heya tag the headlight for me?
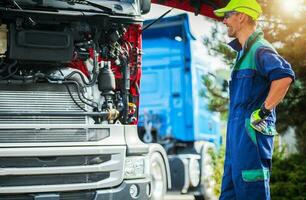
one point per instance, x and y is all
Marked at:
(135, 167)
(194, 172)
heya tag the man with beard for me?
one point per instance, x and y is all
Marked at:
(260, 79)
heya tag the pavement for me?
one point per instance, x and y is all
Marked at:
(178, 197)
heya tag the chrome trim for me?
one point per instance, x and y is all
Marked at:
(114, 166)
(116, 136)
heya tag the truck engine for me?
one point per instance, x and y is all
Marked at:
(92, 64)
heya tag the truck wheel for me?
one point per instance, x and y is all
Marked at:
(158, 175)
(199, 197)
(207, 173)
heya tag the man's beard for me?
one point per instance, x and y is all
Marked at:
(230, 32)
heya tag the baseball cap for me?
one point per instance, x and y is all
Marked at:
(248, 7)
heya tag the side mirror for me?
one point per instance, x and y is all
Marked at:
(145, 6)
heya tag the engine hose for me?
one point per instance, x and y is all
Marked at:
(9, 69)
(4, 68)
(76, 103)
(80, 74)
(35, 76)
(80, 94)
(87, 84)
(126, 88)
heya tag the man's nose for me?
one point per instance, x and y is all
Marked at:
(224, 21)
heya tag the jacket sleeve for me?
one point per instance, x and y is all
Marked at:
(271, 65)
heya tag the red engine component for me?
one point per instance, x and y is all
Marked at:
(79, 64)
(133, 36)
(205, 8)
(132, 44)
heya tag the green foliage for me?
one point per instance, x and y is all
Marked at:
(217, 45)
(218, 164)
(287, 32)
(288, 178)
(217, 95)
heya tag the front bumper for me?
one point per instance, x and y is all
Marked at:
(117, 193)
(123, 191)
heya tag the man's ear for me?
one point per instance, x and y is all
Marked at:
(242, 17)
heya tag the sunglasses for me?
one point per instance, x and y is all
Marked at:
(229, 14)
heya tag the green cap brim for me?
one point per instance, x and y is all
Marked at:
(220, 12)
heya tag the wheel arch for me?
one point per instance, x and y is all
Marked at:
(159, 149)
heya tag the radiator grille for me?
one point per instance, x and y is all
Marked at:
(52, 135)
(53, 154)
(54, 179)
(38, 98)
(53, 161)
(60, 169)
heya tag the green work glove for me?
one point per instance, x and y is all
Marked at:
(258, 117)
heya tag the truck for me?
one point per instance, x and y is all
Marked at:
(69, 73)
(173, 111)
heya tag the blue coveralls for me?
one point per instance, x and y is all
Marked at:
(248, 152)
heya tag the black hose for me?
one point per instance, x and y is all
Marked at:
(88, 84)
(76, 103)
(126, 88)
(33, 77)
(78, 92)
(9, 69)
(81, 95)
(80, 74)
(4, 68)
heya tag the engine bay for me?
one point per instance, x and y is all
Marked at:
(97, 58)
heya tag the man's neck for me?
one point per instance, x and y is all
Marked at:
(244, 34)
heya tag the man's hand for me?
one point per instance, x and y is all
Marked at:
(258, 119)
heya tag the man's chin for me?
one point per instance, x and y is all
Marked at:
(230, 35)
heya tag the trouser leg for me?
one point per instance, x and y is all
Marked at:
(227, 188)
(250, 185)
(251, 173)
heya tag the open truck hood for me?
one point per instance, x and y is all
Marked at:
(202, 7)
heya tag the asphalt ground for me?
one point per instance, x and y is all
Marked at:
(178, 197)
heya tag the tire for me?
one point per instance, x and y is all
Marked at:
(199, 197)
(207, 172)
(158, 176)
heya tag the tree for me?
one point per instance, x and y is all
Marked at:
(287, 31)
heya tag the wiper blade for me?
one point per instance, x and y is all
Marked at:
(90, 3)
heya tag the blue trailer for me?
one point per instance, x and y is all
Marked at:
(172, 111)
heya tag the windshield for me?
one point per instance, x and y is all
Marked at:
(113, 7)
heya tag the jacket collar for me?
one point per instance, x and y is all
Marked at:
(234, 44)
